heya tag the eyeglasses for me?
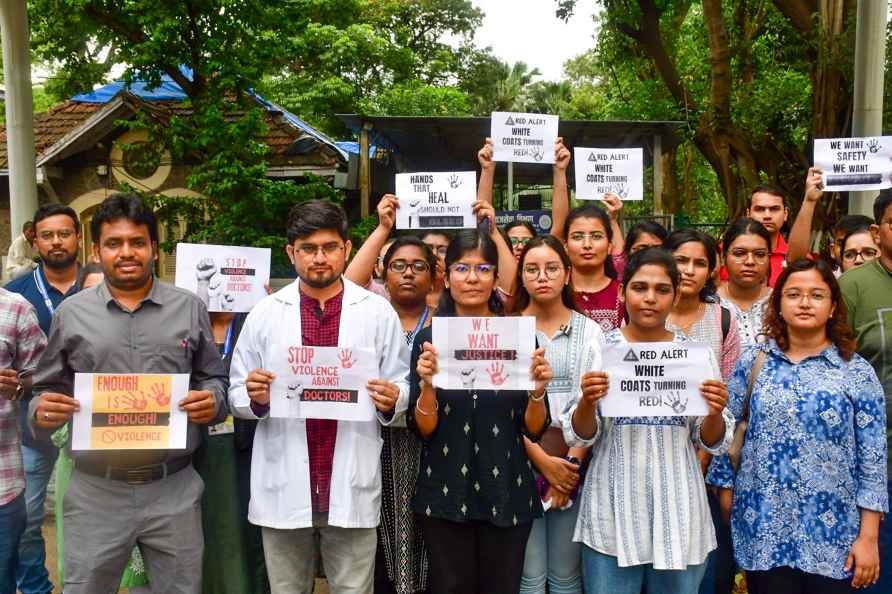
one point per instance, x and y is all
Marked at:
(49, 235)
(462, 271)
(580, 236)
(533, 272)
(311, 249)
(417, 266)
(519, 241)
(816, 296)
(865, 253)
(438, 250)
(740, 254)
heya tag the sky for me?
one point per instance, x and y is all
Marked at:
(528, 31)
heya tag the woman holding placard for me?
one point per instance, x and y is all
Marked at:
(644, 519)
(571, 343)
(476, 495)
(811, 486)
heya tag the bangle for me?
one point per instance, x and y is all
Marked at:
(427, 414)
(534, 398)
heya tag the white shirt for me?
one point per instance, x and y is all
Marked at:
(280, 468)
(20, 258)
(644, 500)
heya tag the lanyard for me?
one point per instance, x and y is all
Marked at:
(227, 344)
(420, 325)
(41, 288)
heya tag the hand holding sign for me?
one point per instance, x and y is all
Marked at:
(594, 387)
(540, 371)
(427, 364)
(716, 395)
(613, 204)
(54, 410)
(257, 385)
(199, 405)
(384, 394)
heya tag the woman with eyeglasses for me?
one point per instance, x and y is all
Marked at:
(747, 255)
(811, 486)
(643, 515)
(476, 496)
(571, 343)
(518, 235)
(858, 247)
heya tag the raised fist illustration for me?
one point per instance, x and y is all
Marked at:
(468, 378)
(205, 269)
(294, 391)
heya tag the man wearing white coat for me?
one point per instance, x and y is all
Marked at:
(318, 476)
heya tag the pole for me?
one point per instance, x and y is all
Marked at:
(867, 113)
(19, 113)
(364, 171)
(658, 174)
(511, 185)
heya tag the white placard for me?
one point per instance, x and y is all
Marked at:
(225, 277)
(523, 137)
(436, 200)
(491, 353)
(656, 379)
(323, 383)
(603, 170)
(855, 163)
(129, 411)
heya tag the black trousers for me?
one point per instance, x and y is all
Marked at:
(474, 557)
(786, 580)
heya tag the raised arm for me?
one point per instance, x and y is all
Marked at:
(560, 197)
(614, 206)
(363, 263)
(507, 262)
(487, 172)
(800, 233)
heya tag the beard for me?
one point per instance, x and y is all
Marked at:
(318, 281)
(59, 262)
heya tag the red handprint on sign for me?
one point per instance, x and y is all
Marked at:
(495, 372)
(346, 356)
(135, 400)
(157, 393)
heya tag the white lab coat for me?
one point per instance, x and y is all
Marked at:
(280, 469)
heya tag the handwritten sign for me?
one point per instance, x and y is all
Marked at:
(491, 353)
(523, 137)
(599, 171)
(656, 379)
(855, 163)
(132, 411)
(225, 277)
(436, 200)
(323, 383)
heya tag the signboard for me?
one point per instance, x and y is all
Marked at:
(656, 379)
(539, 219)
(491, 353)
(323, 383)
(129, 411)
(225, 277)
(523, 137)
(599, 171)
(436, 200)
(855, 163)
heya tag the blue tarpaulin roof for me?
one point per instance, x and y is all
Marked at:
(352, 147)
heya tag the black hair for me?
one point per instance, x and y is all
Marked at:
(124, 205)
(769, 189)
(842, 244)
(86, 270)
(590, 211)
(466, 241)
(680, 237)
(552, 242)
(306, 218)
(54, 208)
(852, 222)
(516, 223)
(27, 225)
(641, 227)
(745, 226)
(410, 240)
(653, 255)
(428, 232)
(880, 205)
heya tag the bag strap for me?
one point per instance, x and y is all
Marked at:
(761, 356)
(726, 323)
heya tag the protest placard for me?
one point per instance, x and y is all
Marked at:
(603, 170)
(436, 200)
(323, 383)
(491, 353)
(129, 411)
(656, 379)
(851, 164)
(225, 277)
(523, 137)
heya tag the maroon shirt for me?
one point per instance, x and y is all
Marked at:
(320, 327)
(602, 306)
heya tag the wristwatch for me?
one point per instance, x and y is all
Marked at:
(19, 392)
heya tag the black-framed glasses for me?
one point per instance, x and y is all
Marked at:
(311, 249)
(551, 271)
(867, 253)
(462, 271)
(400, 266)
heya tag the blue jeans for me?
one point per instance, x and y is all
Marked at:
(884, 585)
(720, 566)
(31, 574)
(12, 524)
(551, 555)
(602, 575)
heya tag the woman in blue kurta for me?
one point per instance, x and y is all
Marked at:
(812, 480)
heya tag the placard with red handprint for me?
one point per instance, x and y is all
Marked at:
(129, 411)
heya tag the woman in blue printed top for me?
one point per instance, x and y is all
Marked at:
(811, 487)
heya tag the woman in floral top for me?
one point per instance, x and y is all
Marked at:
(811, 487)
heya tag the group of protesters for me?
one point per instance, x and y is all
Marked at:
(783, 482)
